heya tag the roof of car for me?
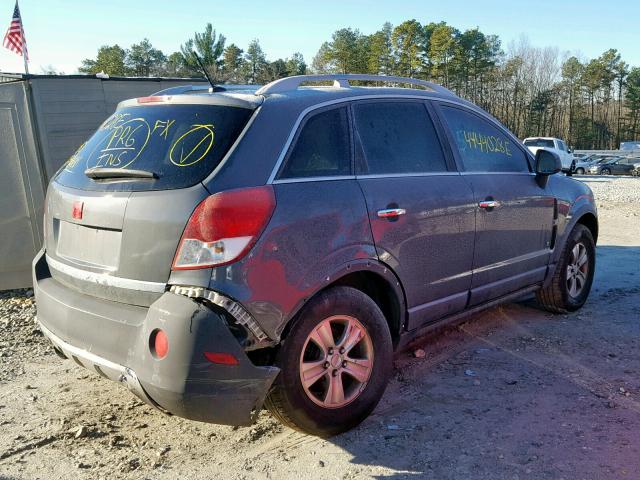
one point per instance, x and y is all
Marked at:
(298, 90)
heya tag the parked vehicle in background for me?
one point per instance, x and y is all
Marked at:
(211, 250)
(614, 166)
(556, 145)
(580, 157)
(582, 167)
(630, 145)
(636, 170)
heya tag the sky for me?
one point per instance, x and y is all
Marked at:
(60, 33)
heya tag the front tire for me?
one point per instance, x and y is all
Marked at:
(606, 171)
(579, 171)
(335, 364)
(573, 277)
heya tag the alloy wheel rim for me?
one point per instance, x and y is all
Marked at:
(577, 270)
(336, 361)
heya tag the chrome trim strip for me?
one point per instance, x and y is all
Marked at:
(529, 174)
(364, 177)
(314, 179)
(105, 279)
(101, 365)
(503, 263)
(438, 301)
(402, 175)
(514, 260)
(80, 353)
(337, 101)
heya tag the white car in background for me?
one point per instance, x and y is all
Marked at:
(556, 145)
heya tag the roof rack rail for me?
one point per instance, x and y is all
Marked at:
(288, 84)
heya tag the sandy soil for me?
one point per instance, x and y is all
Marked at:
(514, 393)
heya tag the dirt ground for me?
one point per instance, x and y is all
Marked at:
(514, 393)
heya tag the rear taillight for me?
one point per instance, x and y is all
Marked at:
(224, 227)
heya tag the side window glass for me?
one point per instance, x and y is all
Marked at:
(398, 138)
(561, 145)
(483, 147)
(322, 148)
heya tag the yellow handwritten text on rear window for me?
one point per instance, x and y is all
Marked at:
(192, 146)
(125, 142)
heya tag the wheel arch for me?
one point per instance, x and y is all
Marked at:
(590, 221)
(377, 281)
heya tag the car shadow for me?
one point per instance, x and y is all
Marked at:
(516, 392)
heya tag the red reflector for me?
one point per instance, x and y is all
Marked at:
(221, 358)
(76, 212)
(154, 98)
(160, 343)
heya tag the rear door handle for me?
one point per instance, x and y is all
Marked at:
(488, 204)
(391, 212)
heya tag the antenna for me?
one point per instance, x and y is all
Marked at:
(204, 70)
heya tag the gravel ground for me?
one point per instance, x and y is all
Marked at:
(515, 393)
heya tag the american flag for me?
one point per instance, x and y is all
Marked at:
(14, 39)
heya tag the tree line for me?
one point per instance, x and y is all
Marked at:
(591, 103)
(224, 63)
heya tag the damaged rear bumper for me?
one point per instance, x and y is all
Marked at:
(113, 340)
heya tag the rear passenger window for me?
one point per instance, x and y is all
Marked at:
(322, 148)
(483, 147)
(398, 138)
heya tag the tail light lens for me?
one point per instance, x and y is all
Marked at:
(224, 227)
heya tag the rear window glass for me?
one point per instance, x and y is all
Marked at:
(180, 144)
(322, 148)
(398, 138)
(539, 142)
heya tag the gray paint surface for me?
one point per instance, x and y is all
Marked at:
(43, 120)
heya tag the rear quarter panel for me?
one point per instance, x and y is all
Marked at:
(316, 229)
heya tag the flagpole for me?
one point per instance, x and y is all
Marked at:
(26, 63)
(25, 53)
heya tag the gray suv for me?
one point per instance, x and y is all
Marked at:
(220, 251)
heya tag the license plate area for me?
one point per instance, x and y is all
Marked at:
(98, 247)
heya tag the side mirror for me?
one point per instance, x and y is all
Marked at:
(547, 162)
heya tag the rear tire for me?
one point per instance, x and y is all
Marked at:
(573, 277)
(318, 345)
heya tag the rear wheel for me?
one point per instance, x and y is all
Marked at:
(335, 364)
(572, 280)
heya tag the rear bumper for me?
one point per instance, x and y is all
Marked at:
(112, 339)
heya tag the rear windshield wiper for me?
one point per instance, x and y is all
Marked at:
(99, 173)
